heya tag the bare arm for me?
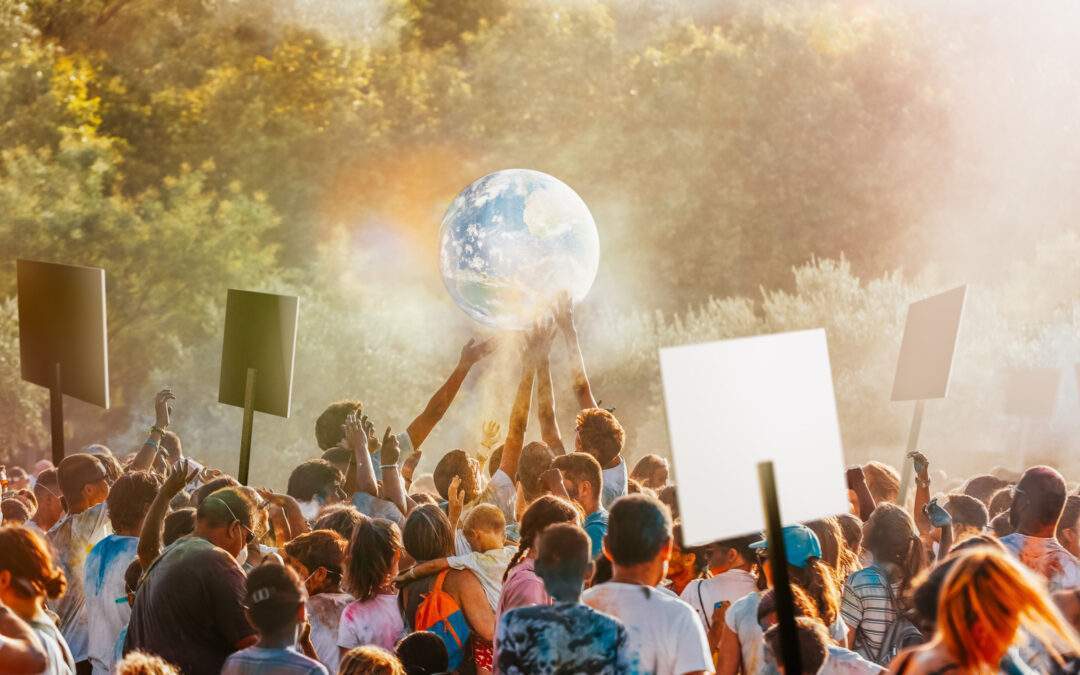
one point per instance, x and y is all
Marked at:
(294, 520)
(144, 459)
(471, 353)
(474, 603)
(564, 317)
(857, 483)
(728, 653)
(519, 420)
(549, 424)
(356, 439)
(423, 569)
(149, 547)
(20, 651)
(922, 491)
(393, 488)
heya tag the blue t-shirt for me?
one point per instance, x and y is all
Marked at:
(263, 661)
(595, 526)
(560, 638)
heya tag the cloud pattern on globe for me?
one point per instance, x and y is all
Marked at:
(511, 241)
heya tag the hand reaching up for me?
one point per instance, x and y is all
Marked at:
(456, 500)
(356, 437)
(491, 434)
(477, 349)
(564, 312)
(177, 477)
(390, 450)
(162, 409)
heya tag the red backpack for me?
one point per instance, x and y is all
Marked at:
(439, 613)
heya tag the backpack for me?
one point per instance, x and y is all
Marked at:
(440, 614)
(900, 634)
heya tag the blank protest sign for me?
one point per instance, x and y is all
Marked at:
(1032, 392)
(926, 353)
(260, 333)
(62, 320)
(735, 403)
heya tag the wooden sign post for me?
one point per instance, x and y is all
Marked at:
(257, 359)
(925, 363)
(63, 339)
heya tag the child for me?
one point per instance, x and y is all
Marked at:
(374, 617)
(274, 599)
(485, 530)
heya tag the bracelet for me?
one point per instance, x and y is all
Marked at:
(388, 466)
(151, 442)
(159, 430)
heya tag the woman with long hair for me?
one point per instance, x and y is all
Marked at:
(465, 610)
(834, 548)
(986, 600)
(28, 576)
(875, 596)
(737, 640)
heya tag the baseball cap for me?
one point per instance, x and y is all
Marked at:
(78, 470)
(800, 544)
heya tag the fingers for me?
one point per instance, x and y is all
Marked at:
(388, 436)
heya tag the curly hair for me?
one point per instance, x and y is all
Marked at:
(130, 498)
(26, 555)
(328, 427)
(455, 464)
(141, 663)
(599, 434)
(370, 661)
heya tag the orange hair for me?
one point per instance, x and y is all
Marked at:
(987, 588)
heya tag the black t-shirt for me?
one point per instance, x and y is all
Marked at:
(188, 609)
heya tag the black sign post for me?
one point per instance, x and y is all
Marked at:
(257, 359)
(63, 341)
(785, 602)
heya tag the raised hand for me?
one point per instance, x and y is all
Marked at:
(456, 500)
(936, 514)
(409, 467)
(564, 312)
(369, 429)
(552, 479)
(162, 409)
(355, 435)
(390, 450)
(177, 477)
(922, 464)
(538, 339)
(855, 477)
(475, 350)
(491, 434)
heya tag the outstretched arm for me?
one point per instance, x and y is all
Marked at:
(922, 490)
(473, 351)
(356, 440)
(144, 459)
(393, 488)
(421, 570)
(564, 317)
(549, 424)
(149, 547)
(519, 414)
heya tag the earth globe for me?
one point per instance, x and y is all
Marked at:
(511, 242)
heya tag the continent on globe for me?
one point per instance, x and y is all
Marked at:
(511, 241)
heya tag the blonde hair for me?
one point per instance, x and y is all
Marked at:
(484, 518)
(987, 588)
(883, 481)
(141, 663)
(370, 661)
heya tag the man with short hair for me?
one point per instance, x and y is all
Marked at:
(1038, 500)
(665, 636)
(50, 507)
(600, 435)
(189, 609)
(969, 516)
(106, 601)
(582, 481)
(568, 636)
(84, 486)
(314, 484)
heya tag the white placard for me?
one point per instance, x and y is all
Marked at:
(735, 403)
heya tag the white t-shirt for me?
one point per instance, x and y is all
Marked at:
(324, 612)
(72, 537)
(741, 618)
(841, 661)
(106, 597)
(664, 635)
(1046, 557)
(374, 622)
(704, 594)
(615, 484)
(488, 566)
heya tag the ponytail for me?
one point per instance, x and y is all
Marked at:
(516, 558)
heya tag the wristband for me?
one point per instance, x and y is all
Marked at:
(160, 431)
(388, 466)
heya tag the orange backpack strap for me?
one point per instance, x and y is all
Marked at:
(437, 588)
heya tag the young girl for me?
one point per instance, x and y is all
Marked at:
(373, 618)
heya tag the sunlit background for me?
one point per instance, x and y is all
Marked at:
(751, 167)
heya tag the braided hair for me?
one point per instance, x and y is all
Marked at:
(546, 510)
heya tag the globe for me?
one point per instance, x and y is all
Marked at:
(511, 242)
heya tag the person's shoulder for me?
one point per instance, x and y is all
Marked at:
(867, 576)
(690, 590)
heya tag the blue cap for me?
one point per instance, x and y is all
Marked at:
(800, 544)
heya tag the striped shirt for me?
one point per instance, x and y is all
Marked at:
(867, 609)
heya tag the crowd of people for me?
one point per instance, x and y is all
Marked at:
(515, 557)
